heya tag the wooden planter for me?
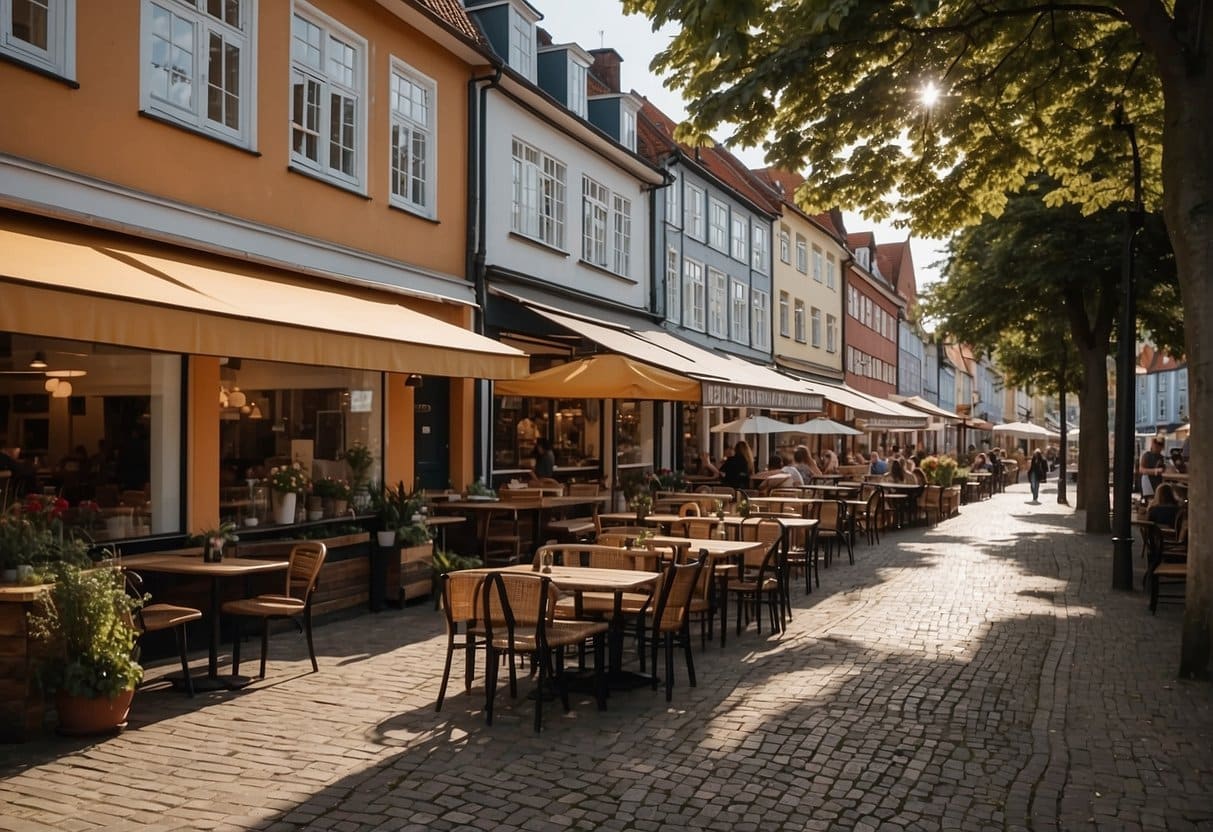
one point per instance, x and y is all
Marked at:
(951, 500)
(410, 574)
(21, 704)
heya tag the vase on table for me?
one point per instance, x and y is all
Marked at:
(284, 507)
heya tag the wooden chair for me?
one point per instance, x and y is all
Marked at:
(460, 599)
(759, 583)
(151, 618)
(302, 576)
(1168, 563)
(869, 519)
(770, 531)
(690, 509)
(672, 621)
(582, 489)
(699, 527)
(517, 610)
(832, 529)
(930, 504)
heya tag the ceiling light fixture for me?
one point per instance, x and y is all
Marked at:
(50, 385)
(62, 390)
(414, 380)
(66, 373)
(236, 398)
(38, 362)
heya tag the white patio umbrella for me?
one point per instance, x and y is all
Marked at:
(821, 426)
(1024, 430)
(755, 424)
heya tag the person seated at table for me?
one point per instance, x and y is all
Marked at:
(803, 462)
(877, 466)
(897, 472)
(1163, 506)
(779, 474)
(736, 470)
(908, 464)
(545, 460)
(980, 463)
(829, 463)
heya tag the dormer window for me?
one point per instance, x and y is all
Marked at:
(628, 131)
(577, 88)
(861, 257)
(522, 43)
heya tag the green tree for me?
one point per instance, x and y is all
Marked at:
(1025, 86)
(1039, 286)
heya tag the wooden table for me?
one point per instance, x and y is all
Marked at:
(178, 564)
(485, 509)
(717, 549)
(578, 579)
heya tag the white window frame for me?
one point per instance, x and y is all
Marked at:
(195, 115)
(416, 126)
(785, 244)
(818, 264)
(522, 47)
(785, 315)
(621, 235)
(718, 224)
(798, 321)
(540, 194)
(760, 325)
(330, 30)
(578, 93)
(739, 311)
(852, 302)
(718, 303)
(740, 245)
(693, 211)
(831, 271)
(673, 205)
(831, 334)
(802, 254)
(627, 128)
(760, 248)
(59, 56)
(1161, 390)
(673, 285)
(595, 221)
(694, 298)
(815, 327)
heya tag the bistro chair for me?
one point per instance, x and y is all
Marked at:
(770, 531)
(151, 618)
(760, 582)
(302, 577)
(460, 594)
(672, 621)
(868, 519)
(832, 529)
(1168, 564)
(699, 527)
(690, 509)
(517, 610)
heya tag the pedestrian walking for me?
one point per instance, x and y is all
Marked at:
(1038, 472)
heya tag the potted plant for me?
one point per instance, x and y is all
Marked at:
(334, 494)
(286, 481)
(478, 490)
(359, 459)
(642, 504)
(86, 624)
(212, 541)
(444, 561)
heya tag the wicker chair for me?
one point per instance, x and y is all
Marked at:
(460, 596)
(151, 618)
(759, 583)
(301, 578)
(672, 620)
(832, 529)
(518, 614)
(699, 527)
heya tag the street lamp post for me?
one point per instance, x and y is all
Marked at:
(1122, 481)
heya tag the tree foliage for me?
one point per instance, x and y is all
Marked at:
(833, 88)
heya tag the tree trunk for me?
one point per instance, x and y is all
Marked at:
(1093, 440)
(1188, 207)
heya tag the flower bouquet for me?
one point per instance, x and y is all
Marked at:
(288, 479)
(213, 541)
(641, 503)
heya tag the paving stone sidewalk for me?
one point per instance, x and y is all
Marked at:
(977, 675)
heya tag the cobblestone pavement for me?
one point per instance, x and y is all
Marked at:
(977, 675)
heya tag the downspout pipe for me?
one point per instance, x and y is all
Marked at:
(475, 249)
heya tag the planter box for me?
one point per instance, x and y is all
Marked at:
(21, 705)
(410, 574)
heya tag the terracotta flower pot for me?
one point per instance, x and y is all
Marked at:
(85, 716)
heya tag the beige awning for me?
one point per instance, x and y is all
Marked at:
(607, 376)
(919, 403)
(67, 282)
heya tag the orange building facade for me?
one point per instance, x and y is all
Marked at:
(229, 233)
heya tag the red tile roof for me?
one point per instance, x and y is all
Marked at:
(452, 13)
(784, 183)
(655, 140)
(896, 262)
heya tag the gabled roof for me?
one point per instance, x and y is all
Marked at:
(861, 239)
(452, 14)
(1153, 360)
(896, 262)
(783, 184)
(655, 141)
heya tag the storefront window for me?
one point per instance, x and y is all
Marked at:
(572, 425)
(95, 424)
(634, 433)
(274, 414)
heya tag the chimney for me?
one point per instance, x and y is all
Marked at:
(606, 67)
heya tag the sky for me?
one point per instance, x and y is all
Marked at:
(597, 23)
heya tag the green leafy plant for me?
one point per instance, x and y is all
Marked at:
(87, 630)
(359, 459)
(446, 561)
(33, 533)
(289, 479)
(331, 488)
(669, 480)
(641, 502)
(478, 489)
